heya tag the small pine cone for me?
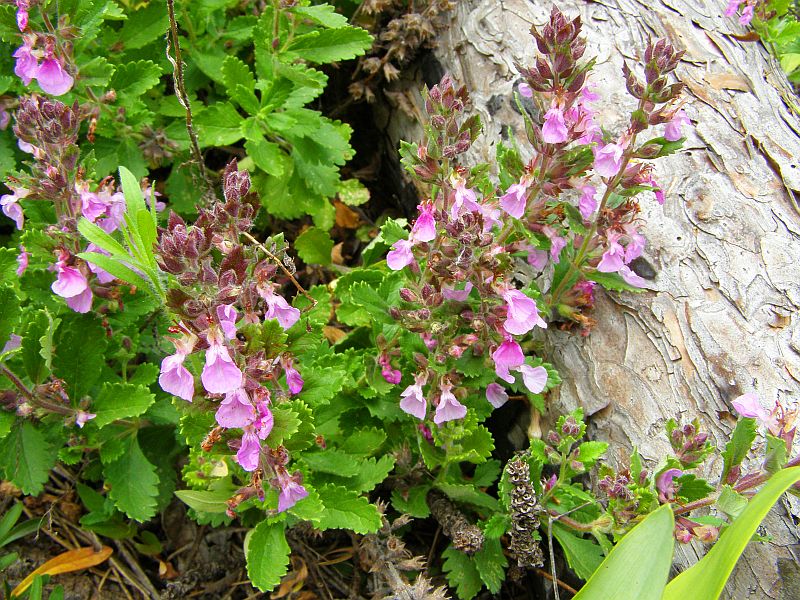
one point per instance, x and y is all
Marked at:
(466, 537)
(525, 509)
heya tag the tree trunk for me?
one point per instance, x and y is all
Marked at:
(719, 317)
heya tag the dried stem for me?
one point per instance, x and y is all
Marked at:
(560, 583)
(180, 92)
(286, 271)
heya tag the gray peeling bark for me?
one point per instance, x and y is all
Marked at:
(720, 316)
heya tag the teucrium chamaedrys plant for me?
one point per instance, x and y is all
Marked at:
(132, 338)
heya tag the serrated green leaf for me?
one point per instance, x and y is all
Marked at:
(133, 482)
(333, 461)
(486, 473)
(583, 556)
(353, 193)
(364, 442)
(324, 14)
(267, 554)
(413, 501)
(26, 457)
(731, 502)
(611, 281)
(345, 509)
(96, 73)
(497, 525)
(321, 385)
(739, 445)
(371, 472)
(331, 45)
(240, 84)
(285, 424)
(590, 452)
(267, 156)
(219, 125)
(462, 573)
(693, 488)
(120, 401)
(144, 26)
(491, 564)
(314, 246)
(135, 78)
(393, 230)
(79, 360)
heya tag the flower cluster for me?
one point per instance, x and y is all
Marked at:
(48, 130)
(223, 296)
(43, 56)
(747, 9)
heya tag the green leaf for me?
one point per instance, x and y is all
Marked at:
(207, 501)
(364, 442)
(117, 269)
(491, 564)
(692, 488)
(638, 566)
(81, 343)
(120, 401)
(371, 472)
(739, 445)
(353, 193)
(583, 556)
(497, 526)
(324, 14)
(413, 501)
(468, 494)
(345, 509)
(314, 246)
(219, 125)
(135, 78)
(775, 457)
(393, 230)
(321, 385)
(706, 579)
(462, 573)
(331, 45)
(267, 156)
(133, 481)
(333, 461)
(241, 84)
(144, 26)
(590, 452)
(26, 457)
(267, 554)
(731, 502)
(9, 316)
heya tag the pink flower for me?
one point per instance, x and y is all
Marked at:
(400, 255)
(102, 275)
(458, 295)
(52, 77)
(534, 378)
(749, 405)
(554, 130)
(525, 90)
(22, 261)
(236, 410)
(522, 313)
(70, 282)
(424, 229)
(278, 308)
(607, 159)
(11, 207)
(5, 119)
(176, 379)
(636, 244)
(747, 15)
(413, 398)
(27, 65)
(733, 7)
(514, 200)
(496, 395)
(613, 258)
(587, 95)
(293, 380)
(449, 408)
(587, 203)
(264, 419)
(557, 243)
(227, 317)
(391, 375)
(22, 14)
(220, 374)
(537, 258)
(464, 198)
(82, 303)
(250, 450)
(672, 132)
(507, 356)
(630, 277)
(82, 417)
(665, 483)
(292, 490)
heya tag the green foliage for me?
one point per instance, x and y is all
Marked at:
(133, 481)
(267, 554)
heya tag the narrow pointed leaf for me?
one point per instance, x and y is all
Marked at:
(638, 566)
(706, 579)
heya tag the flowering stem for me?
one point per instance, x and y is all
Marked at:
(31, 397)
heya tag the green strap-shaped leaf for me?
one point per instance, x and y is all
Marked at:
(706, 579)
(117, 269)
(637, 568)
(101, 239)
(267, 554)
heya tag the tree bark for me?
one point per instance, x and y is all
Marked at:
(720, 316)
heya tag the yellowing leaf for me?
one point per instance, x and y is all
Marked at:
(69, 561)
